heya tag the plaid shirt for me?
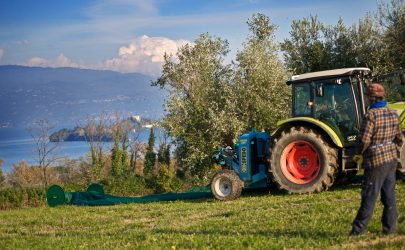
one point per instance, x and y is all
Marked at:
(380, 133)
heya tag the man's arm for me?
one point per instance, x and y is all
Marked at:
(366, 132)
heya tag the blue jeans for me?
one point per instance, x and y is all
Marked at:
(376, 180)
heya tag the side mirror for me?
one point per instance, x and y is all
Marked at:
(319, 90)
(402, 78)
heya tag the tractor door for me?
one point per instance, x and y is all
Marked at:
(302, 99)
(334, 104)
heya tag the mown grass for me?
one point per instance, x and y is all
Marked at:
(255, 221)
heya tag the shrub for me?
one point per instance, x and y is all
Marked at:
(22, 197)
(23, 175)
(2, 178)
(150, 156)
(165, 180)
(129, 185)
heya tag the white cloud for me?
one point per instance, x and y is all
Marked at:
(60, 61)
(144, 55)
(1, 53)
(38, 61)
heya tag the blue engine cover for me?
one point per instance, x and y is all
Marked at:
(253, 150)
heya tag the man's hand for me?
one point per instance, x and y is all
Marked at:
(358, 159)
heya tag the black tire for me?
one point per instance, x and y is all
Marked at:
(314, 161)
(346, 178)
(226, 185)
(400, 175)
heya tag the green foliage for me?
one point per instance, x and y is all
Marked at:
(150, 156)
(116, 157)
(392, 19)
(304, 51)
(124, 150)
(368, 45)
(166, 181)
(97, 162)
(394, 91)
(2, 177)
(21, 197)
(255, 221)
(260, 27)
(374, 43)
(314, 46)
(260, 87)
(120, 162)
(129, 185)
(212, 103)
(200, 109)
(164, 153)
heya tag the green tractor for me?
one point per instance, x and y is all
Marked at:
(314, 149)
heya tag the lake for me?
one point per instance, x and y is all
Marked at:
(16, 145)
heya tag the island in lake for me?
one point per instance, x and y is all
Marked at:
(132, 124)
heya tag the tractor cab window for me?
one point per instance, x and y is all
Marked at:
(335, 106)
(302, 100)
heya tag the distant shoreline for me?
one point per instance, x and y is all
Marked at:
(17, 145)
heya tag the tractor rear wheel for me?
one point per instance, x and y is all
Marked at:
(346, 178)
(400, 175)
(302, 161)
(226, 185)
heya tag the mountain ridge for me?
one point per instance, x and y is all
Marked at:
(67, 95)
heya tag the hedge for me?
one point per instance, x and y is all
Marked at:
(22, 197)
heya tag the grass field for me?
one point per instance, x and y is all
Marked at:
(255, 221)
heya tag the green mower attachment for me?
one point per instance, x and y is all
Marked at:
(56, 196)
(95, 196)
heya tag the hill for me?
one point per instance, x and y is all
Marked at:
(66, 95)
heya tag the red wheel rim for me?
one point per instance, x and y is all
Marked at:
(300, 162)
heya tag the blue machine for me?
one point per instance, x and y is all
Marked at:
(249, 159)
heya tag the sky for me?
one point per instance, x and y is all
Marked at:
(133, 35)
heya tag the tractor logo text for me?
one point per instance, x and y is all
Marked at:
(244, 157)
(351, 138)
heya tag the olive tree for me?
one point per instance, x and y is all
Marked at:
(260, 78)
(391, 16)
(305, 50)
(200, 109)
(314, 46)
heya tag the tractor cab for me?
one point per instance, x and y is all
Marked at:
(333, 97)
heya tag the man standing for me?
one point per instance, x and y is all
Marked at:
(380, 134)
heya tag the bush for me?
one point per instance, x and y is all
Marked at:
(129, 185)
(34, 197)
(22, 197)
(166, 180)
